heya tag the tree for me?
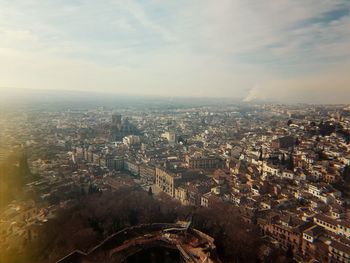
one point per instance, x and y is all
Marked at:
(326, 128)
(347, 138)
(322, 155)
(150, 193)
(133, 217)
(346, 173)
(291, 163)
(289, 252)
(89, 221)
(283, 161)
(82, 191)
(261, 155)
(90, 191)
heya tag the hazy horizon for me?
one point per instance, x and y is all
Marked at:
(77, 98)
(282, 51)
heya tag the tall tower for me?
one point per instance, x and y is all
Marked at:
(116, 126)
(122, 128)
(117, 120)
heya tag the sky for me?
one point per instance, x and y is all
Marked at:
(275, 50)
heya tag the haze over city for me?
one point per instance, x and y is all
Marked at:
(287, 51)
(186, 131)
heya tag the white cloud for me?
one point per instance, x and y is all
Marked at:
(198, 47)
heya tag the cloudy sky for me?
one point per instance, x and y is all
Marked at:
(296, 50)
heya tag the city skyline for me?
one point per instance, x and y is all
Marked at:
(287, 51)
(174, 131)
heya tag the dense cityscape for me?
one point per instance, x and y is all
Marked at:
(269, 177)
(187, 131)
